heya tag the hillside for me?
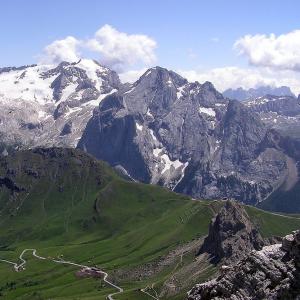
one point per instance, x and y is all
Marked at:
(63, 202)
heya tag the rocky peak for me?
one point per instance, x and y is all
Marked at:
(231, 234)
(162, 76)
(271, 273)
(187, 137)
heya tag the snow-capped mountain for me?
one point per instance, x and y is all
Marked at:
(50, 105)
(161, 129)
(252, 93)
(279, 112)
(188, 137)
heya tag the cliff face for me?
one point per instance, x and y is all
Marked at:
(271, 273)
(231, 234)
(186, 136)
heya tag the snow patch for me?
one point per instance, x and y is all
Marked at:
(157, 151)
(167, 162)
(97, 101)
(207, 110)
(152, 134)
(92, 68)
(182, 175)
(72, 110)
(129, 91)
(169, 83)
(68, 90)
(148, 113)
(179, 92)
(30, 87)
(138, 127)
(147, 73)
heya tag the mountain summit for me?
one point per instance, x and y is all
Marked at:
(58, 101)
(165, 130)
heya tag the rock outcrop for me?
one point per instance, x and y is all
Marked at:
(231, 235)
(271, 273)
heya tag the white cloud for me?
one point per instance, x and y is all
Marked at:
(234, 77)
(114, 49)
(132, 75)
(61, 50)
(281, 52)
(118, 49)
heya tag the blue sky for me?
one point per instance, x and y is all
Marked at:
(190, 34)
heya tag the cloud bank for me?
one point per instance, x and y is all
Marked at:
(61, 50)
(234, 77)
(280, 52)
(274, 60)
(115, 49)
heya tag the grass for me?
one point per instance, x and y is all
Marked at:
(79, 208)
(271, 224)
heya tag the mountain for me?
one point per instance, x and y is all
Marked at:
(71, 207)
(48, 105)
(271, 273)
(161, 129)
(165, 130)
(252, 93)
(281, 113)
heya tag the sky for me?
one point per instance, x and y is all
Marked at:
(231, 43)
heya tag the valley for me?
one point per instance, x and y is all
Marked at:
(140, 235)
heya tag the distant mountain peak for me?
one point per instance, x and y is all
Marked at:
(252, 93)
(55, 96)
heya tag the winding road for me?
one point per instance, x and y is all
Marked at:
(21, 266)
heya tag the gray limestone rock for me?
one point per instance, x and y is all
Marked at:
(271, 273)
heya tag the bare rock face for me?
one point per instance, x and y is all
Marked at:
(271, 273)
(161, 129)
(279, 112)
(186, 136)
(231, 234)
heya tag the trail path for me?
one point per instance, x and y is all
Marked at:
(21, 266)
(145, 292)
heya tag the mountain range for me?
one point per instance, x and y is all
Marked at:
(252, 93)
(161, 129)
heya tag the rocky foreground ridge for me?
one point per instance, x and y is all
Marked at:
(231, 235)
(250, 270)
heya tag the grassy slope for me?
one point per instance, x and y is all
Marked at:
(81, 209)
